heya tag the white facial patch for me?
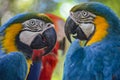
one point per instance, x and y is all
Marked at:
(87, 28)
(82, 16)
(27, 37)
(85, 21)
(36, 25)
(31, 28)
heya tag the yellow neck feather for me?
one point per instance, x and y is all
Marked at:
(8, 42)
(29, 63)
(101, 30)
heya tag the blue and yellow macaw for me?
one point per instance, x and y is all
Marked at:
(43, 67)
(19, 36)
(99, 58)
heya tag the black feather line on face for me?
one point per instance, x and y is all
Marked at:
(90, 36)
(27, 51)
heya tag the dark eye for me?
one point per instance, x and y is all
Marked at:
(32, 22)
(84, 13)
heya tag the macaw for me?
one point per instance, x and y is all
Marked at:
(46, 64)
(99, 57)
(43, 67)
(19, 36)
(50, 61)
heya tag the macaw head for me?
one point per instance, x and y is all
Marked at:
(59, 25)
(28, 31)
(91, 22)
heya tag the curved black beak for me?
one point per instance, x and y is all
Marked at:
(47, 40)
(72, 28)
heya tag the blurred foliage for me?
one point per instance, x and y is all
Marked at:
(58, 7)
(57, 75)
(44, 7)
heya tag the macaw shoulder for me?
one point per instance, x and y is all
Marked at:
(12, 64)
(75, 54)
(97, 58)
(103, 53)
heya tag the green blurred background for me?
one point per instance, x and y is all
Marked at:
(9, 8)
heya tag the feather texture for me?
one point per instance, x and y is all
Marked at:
(8, 64)
(99, 60)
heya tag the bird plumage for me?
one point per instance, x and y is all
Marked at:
(15, 51)
(13, 66)
(48, 62)
(98, 59)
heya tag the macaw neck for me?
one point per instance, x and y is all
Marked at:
(8, 41)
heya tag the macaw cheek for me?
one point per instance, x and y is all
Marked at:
(27, 37)
(36, 40)
(33, 39)
(87, 28)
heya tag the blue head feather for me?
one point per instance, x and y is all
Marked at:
(103, 11)
(11, 21)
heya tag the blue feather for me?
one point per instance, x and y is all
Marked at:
(13, 66)
(11, 21)
(34, 71)
(95, 62)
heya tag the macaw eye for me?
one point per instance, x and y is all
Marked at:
(33, 25)
(32, 22)
(85, 14)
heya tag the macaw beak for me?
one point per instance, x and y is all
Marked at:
(45, 40)
(72, 28)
